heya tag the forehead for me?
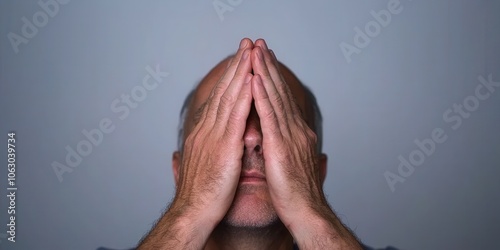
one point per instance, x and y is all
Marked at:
(210, 80)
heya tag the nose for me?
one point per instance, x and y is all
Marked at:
(253, 133)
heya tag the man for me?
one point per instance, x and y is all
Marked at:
(249, 170)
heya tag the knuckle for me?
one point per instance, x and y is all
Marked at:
(245, 95)
(271, 114)
(282, 87)
(279, 102)
(226, 100)
(234, 118)
(276, 134)
(218, 89)
(233, 125)
(229, 131)
(221, 110)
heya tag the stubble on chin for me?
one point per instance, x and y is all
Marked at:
(251, 207)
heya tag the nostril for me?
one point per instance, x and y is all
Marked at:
(257, 148)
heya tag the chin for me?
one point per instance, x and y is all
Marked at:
(251, 208)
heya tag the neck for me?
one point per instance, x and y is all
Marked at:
(274, 236)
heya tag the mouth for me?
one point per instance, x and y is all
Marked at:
(252, 177)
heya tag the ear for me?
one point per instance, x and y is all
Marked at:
(176, 163)
(322, 161)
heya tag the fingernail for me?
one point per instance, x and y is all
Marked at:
(245, 54)
(264, 44)
(243, 43)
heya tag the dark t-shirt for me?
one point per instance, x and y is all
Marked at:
(295, 247)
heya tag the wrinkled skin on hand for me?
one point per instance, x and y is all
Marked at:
(295, 171)
(211, 160)
(289, 145)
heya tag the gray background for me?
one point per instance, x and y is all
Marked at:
(395, 91)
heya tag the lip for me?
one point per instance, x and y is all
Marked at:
(252, 177)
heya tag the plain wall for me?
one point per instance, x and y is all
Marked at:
(393, 92)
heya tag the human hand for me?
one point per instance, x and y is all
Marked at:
(289, 145)
(210, 167)
(291, 159)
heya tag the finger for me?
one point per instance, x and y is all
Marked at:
(275, 72)
(231, 59)
(271, 63)
(220, 87)
(278, 79)
(229, 62)
(236, 122)
(260, 68)
(265, 110)
(230, 96)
